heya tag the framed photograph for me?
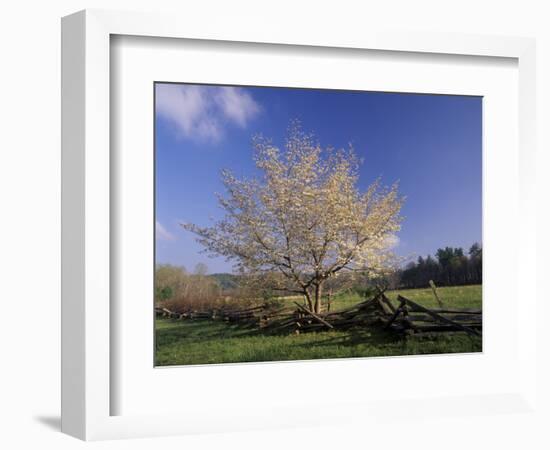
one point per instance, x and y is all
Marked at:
(311, 255)
(256, 218)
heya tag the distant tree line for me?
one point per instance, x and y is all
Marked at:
(177, 288)
(174, 283)
(450, 267)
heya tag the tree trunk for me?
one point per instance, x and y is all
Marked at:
(307, 295)
(318, 294)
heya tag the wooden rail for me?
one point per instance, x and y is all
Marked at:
(408, 317)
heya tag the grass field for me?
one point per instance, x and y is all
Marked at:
(454, 296)
(206, 341)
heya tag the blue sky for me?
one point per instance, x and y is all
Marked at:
(431, 144)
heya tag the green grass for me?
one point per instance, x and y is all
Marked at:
(206, 341)
(452, 297)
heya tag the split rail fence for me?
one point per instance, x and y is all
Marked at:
(405, 317)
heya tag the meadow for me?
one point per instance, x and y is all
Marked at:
(210, 341)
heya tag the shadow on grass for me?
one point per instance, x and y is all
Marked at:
(355, 336)
(203, 330)
(206, 330)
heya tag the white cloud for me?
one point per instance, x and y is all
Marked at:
(202, 112)
(237, 105)
(392, 241)
(162, 233)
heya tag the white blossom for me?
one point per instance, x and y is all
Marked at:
(304, 219)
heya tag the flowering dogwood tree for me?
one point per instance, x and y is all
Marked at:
(304, 220)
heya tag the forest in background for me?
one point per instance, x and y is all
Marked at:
(449, 267)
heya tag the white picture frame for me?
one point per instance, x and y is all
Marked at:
(87, 386)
